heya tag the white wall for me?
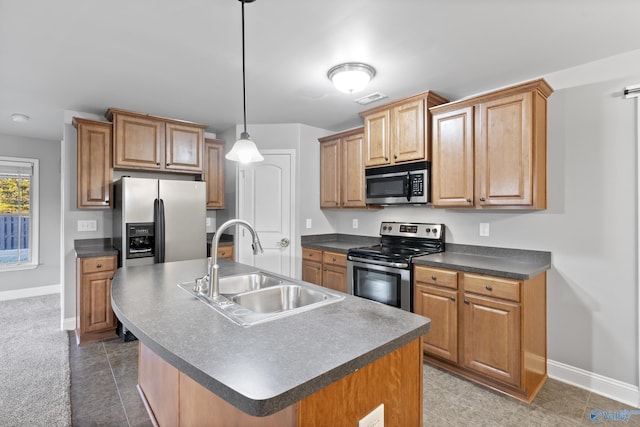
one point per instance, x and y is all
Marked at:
(48, 271)
(589, 227)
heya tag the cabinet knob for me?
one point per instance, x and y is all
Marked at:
(157, 163)
(395, 156)
(111, 278)
(466, 301)
(482, 199)
(334, 259)
(468, 200)
(106, 202)
(488, 287)
(386, 159)
(337, 203)
(452, 298)
(223, 253)
(324, 269)
(168, 164)
(433, 277)
(99, 266)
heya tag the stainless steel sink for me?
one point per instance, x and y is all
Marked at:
(257, 297)
(280, 298)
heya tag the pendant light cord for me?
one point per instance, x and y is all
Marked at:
(244, 90)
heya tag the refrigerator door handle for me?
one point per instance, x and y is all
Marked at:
(158, 217)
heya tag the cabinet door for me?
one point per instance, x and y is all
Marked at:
(95, 173)
(353, 185)
(214, 173)
(452, 168)
(335, 277)
(312, 272)
(504, 173)
(225, 252)
(441, 306)
(138, 142)
(96, 312)
(330, 174)
(408, 137)
(492, 338)
(184, 147)
(377, 138)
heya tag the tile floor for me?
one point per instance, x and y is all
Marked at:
(104, 376)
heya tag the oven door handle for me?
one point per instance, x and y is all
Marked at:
(376, 262)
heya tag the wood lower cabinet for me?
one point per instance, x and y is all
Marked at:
(146, 142)
(94, 317)
(334, 271)
(395, 380)
(490, 151)
(400, 131)
(94, 170)
(489, 329)
(312, 266)
(325, 268)
(342, 183)
(225, 251)
(213, 173)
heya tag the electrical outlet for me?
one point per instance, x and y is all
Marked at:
(374, 418)
(308, 222)
(484, 229)
(87, 225)
(355, 223)
(208, 223)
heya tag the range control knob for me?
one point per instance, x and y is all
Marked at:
(384, 228)
(428, 230)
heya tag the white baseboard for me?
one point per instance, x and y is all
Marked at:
(29, 292)
(617, 390)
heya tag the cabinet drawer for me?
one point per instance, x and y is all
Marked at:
(492, 286)
(225, 251)
(335, 259)
(312, 254)
(436, 276)
(95, 264)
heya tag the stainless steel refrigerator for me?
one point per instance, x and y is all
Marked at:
(157, 220)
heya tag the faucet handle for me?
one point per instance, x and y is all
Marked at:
(201, 284)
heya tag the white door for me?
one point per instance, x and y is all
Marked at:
(265, 200)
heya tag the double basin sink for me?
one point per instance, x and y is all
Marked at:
(257, 297)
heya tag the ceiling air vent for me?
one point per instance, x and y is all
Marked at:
(373, 97)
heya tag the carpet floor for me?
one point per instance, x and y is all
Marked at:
(34, 363)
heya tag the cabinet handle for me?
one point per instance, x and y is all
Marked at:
(488, 287)
(223, 253)
(466, 301)
(334, 259)
(452, 298)
(99, 266)
(482, 199)
(433, 277)
(168, 164)
(386, 159)
(106, 202)
(395, 156)
(157, 163)
(468, 200)
(337, 203)
(111, 278)
(324, 269)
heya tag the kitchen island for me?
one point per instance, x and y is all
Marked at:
(331, 365)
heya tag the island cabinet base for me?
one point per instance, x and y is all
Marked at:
(174, 399)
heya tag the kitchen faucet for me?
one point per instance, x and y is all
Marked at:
(214, 284)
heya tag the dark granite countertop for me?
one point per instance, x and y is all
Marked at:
(516, 264)
(88, 248)
(337, 242)
(266, 367)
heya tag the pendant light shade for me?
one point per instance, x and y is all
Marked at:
(351, 77)
(244, 150)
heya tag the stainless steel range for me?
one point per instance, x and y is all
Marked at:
(383, 272)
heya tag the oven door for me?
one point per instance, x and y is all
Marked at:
(381, 283)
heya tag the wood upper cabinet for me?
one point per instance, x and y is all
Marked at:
(214, 172)
(490, 151)
(95, 319)
(95, 173)
(148, 142)
(489, 329)
(342, 182)
(399, 132)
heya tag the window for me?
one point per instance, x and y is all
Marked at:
(18, 213)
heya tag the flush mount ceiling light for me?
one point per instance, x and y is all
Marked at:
(351, 77)
(244, 150)
(20, 118)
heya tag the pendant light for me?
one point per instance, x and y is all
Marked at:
(244, 150)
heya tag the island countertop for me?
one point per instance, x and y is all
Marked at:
(266, 367)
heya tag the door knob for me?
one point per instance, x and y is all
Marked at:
(284, 242)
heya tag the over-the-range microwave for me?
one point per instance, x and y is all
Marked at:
(403, 184)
